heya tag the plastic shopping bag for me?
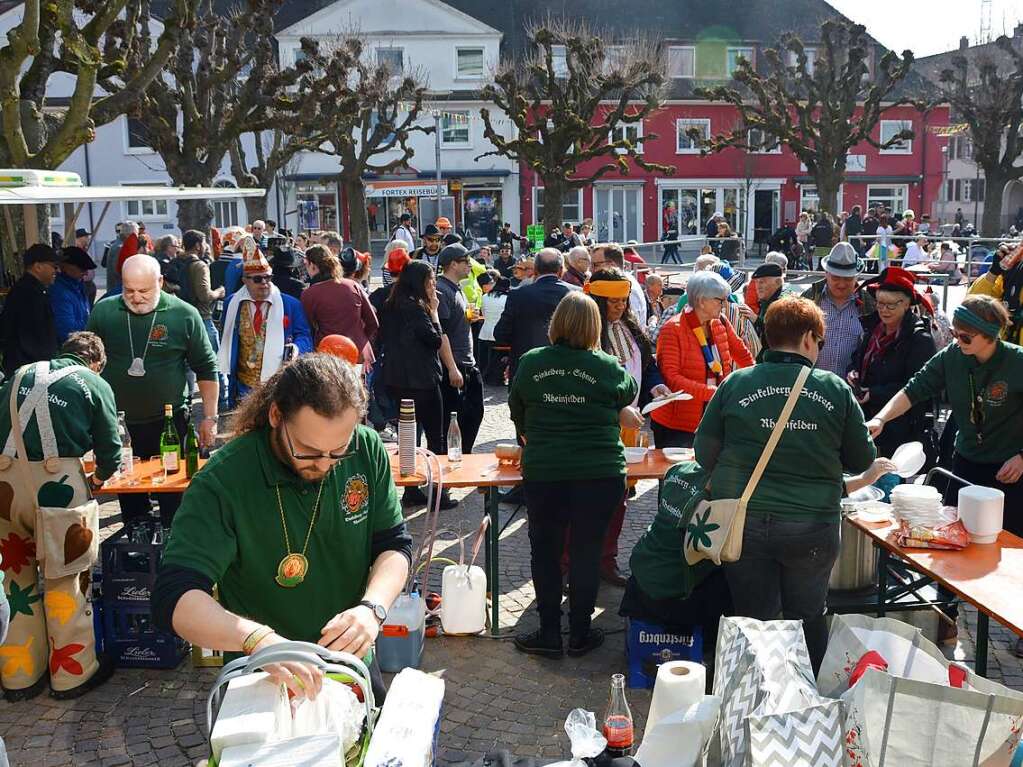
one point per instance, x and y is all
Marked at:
(587, 741)
(903, 647)
(905, 722)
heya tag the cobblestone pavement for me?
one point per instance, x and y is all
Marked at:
(495, 696)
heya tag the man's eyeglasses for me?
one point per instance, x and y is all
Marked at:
(262, 279)
(431, 240)
(964, 338)
(350, 449)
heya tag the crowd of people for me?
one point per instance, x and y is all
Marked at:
(583, 333)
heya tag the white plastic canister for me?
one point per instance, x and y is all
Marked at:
(463, 603)
(981, 510)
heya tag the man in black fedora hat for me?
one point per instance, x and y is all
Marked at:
(432, 243)
(843, 304)
(26, 323)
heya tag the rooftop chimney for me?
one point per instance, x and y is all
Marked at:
(1017, 33)
(964, 43)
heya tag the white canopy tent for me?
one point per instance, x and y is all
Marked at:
(29, 188)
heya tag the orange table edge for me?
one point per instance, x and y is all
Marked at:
(483, 471)
(988, 576)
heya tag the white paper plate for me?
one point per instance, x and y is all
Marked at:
(678, 454)
(909, 459)
(660, 401)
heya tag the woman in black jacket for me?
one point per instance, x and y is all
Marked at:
(895, 346)
(411, 338)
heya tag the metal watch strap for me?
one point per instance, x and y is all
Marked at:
(376, 609)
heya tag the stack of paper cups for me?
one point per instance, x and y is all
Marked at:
(407, 438)
(679, 684)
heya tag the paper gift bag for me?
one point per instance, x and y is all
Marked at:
(907, 723)
(908, 653)
(761, 668)
(810, 736)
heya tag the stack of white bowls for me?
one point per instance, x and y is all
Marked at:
(918, 505)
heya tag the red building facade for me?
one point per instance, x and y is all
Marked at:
(756, 191)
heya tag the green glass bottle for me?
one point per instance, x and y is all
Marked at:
(191, 451)
(170, 443)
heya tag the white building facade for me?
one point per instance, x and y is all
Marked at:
(454, 52)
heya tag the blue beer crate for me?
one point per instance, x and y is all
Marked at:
(648, 645)
(133, 641)
(129, 569)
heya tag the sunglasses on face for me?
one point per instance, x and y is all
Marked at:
(350, 449)
(431, 240)
(820, 342)
(260, 280)
(964, 338)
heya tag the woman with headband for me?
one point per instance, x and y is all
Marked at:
(983, 376)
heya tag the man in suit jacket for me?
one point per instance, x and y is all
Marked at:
(527, 314)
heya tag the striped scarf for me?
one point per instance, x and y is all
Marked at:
(710, 356)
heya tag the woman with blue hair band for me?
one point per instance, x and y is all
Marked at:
(983, 376)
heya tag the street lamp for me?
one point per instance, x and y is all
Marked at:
(437, 115)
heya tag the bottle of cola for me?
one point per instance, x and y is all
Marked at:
(618, 721)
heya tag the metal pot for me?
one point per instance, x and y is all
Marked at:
(856, 566)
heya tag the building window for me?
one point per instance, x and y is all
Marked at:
(811, 59)
(148, 209)
(891, 128)
(136, 137)
(559, 58)
(392, 58)
(686, 144)
(681, 62)
(734, 54)
(225, 212)
(810, 200)
(631, 132)
(469, 63)
(960, 148)
(571, 208)
(614, 57)
(454, 129)
(317, 206)
(763, 143)
(891, 197)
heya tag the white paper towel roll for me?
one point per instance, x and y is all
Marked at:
(679, 684)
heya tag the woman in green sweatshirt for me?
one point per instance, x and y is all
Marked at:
(568, 401)
(792, 533)
(983, 378)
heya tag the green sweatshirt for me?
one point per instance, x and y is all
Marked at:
(230, 528)
(82, 411)
(177, 342)
(999, 381)
(657, 560)
(565, 402)
(825, 434)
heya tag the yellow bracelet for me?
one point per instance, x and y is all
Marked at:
(255, 638)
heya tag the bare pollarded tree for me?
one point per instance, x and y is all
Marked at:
(572, 99)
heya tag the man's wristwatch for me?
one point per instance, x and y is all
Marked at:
(379, 611)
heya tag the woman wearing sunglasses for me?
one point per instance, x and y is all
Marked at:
(983, 377)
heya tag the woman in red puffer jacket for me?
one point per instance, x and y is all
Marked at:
(696, 350)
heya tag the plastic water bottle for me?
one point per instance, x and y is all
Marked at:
(127, 459)
(454, 440)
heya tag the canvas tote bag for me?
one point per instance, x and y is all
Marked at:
(716, 528)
